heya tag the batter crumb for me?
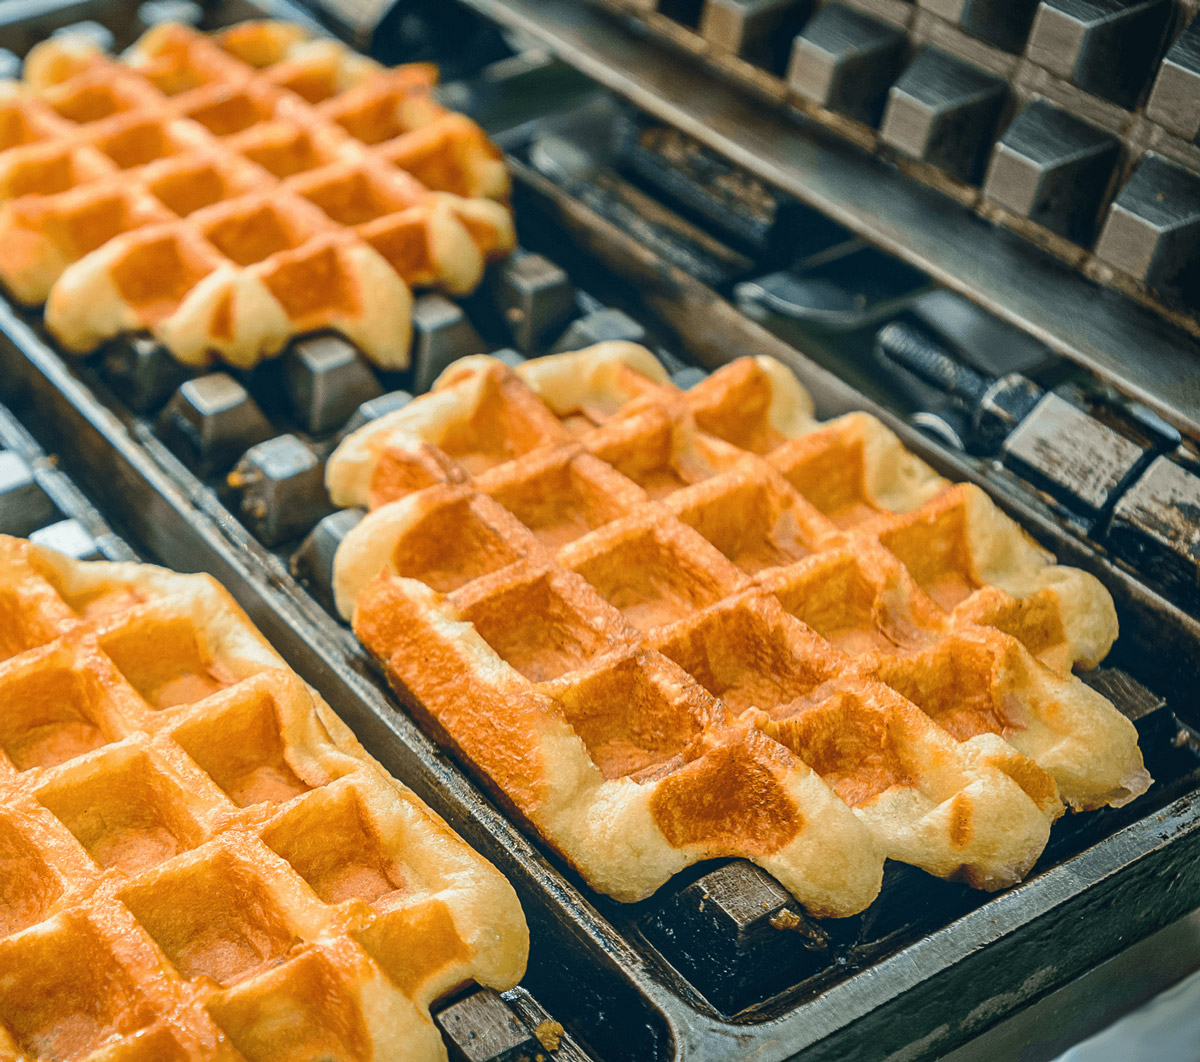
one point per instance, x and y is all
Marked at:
(549, 1034)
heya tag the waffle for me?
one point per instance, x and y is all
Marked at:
(226, 193)
(197, 859)
(671, 626)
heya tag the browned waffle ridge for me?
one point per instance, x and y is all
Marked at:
(671, 626)
(229, 192)
(197, 858)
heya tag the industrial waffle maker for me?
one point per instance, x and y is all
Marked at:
(978, 221)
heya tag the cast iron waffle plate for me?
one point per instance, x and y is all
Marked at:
(721, 962)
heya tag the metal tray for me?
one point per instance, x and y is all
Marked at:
(927, 967)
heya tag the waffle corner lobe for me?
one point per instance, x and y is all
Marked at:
(681, 625)
(230, 192)
(196, 853)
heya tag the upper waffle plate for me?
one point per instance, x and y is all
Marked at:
(197, 858)
(677, 625)
(229, 192)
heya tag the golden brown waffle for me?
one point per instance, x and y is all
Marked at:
(671, 626)
(197, 859)
(229, 192)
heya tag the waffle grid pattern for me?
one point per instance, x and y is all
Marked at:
(228, 193)
(198, 860)
(712, 607)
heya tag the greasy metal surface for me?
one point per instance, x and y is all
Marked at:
(1157, 524)
(1088, 1004)
(934, 992)
(1096, 327)
(1072, 456)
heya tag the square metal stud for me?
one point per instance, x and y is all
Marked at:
(944, 111)
(211, 421)
(511, 358)
(1153, 230)
(1106, 47)
(94, 32)
(1175, 99)
(1004, 23)
(483, 1028)
(558, 1044)
(312, 563)
(1128, 696)
(441, 334)
(326, 379)
(600, 326)
(845, 61)
(155, 12)
(1072, 456)
(24, 506)
(734, 931)
(375, 408)
(142, 371)
(282, 484)
(69, 537)
(753, 29)
(687, 377)
(535, 296)
(1053, 169)
(1156, 527)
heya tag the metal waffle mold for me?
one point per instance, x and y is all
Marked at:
(721, 962)
(938, 82)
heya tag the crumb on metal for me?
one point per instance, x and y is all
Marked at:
(549, 1034)
(785, 919)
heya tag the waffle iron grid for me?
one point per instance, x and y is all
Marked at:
(304, 399)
